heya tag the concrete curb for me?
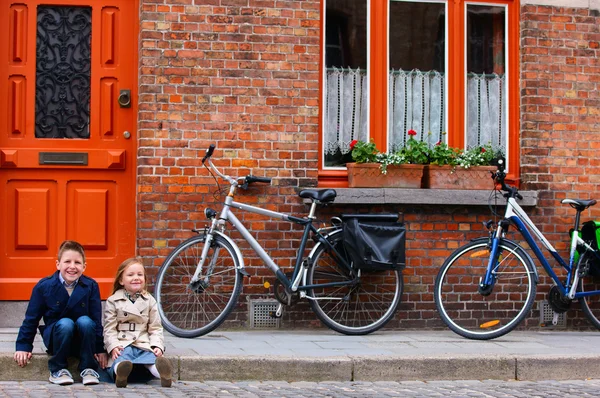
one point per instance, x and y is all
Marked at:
(265, 368)
(344, 368)
(558, 367)
(434, 368)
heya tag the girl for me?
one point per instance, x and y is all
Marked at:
(133, 333)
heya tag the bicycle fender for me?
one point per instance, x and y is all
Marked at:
(237, 251)
(486, 239)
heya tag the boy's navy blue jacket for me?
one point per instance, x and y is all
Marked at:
(50, 300)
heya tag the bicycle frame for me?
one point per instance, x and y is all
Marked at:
(516, 214)
(298, 280)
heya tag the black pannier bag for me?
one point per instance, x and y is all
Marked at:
(375, 242)
(590, 233)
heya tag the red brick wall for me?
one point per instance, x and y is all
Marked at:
(560, 76)
(244, 74)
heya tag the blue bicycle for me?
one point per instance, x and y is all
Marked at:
(488, 286)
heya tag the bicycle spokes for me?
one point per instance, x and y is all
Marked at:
(476, 309)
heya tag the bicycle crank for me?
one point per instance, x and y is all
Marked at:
(559, 302)
(283, 295)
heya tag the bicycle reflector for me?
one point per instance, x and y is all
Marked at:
(480, 253)
(209, 213)
(489, 324)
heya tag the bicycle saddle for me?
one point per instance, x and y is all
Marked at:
(579, 204)
(322, 195)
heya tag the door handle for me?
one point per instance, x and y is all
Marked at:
(124, 99)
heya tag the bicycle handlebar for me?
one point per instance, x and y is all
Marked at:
(250, 179)
(209, 152)
(499, 176)
(245, 180)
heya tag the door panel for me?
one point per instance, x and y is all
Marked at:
(67, 137)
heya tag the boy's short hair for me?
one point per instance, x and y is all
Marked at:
(71, 245)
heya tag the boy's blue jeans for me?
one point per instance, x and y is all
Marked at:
(73, 338)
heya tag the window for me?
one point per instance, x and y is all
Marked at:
(446, 69)
(486, 75)
(417, 70)
(346, 101)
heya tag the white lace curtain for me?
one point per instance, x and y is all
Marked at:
(346, 107)
(416, 101)
(486, 110)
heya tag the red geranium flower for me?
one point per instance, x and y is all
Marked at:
(438, 143)
(352, 144)
(412, 132)
(483, 150)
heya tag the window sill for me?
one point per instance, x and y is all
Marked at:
(423, 196)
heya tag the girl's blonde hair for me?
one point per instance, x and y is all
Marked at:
(124, 265)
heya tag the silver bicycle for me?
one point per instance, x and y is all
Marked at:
(199, 283)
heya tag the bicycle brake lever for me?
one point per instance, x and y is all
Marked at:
(244, 184)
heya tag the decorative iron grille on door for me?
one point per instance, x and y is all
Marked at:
(63, 54)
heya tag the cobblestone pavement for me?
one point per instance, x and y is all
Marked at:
(467, 388)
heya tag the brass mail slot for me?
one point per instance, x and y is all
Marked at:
(71, 158)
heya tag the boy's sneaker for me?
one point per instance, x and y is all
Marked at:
(62, 377)
(123, 370)
(89, 377)
(165, 370)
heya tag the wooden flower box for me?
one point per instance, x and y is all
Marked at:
(369, 175)
(449, 177)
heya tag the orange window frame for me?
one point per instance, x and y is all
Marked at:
(378, 72)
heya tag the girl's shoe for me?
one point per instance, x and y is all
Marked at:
(123, 370)
(165, 370)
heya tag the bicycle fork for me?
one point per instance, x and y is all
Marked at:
(196, 284)
(486, 283)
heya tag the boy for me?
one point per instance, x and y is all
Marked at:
(70, 304)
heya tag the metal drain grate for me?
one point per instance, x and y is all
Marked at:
(259, 314)
(547, 314)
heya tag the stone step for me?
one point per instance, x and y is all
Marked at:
(12, 313)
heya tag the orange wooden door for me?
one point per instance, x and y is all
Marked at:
(67, 137)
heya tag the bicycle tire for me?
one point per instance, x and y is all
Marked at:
(351, 310)
(188, 313)
(471, 314)
(590, 305)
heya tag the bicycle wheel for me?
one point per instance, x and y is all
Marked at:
(354, 309)
(193, 310)
(488, 314)
(589, 281)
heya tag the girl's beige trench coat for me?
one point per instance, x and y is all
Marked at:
(127, 323)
